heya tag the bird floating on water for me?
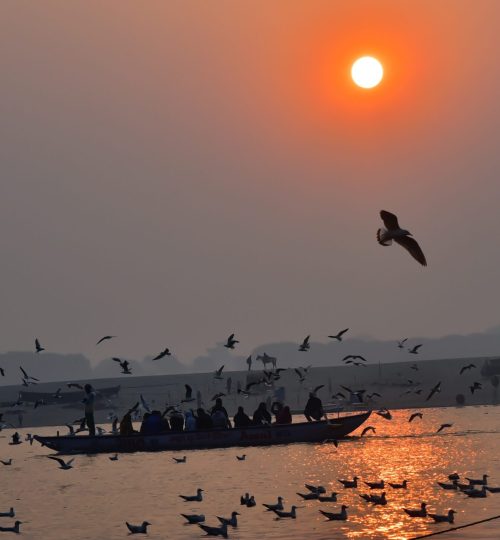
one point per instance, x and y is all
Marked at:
(180, 459)
(478, 481)
(194, 518)
(282, 514)
(215, 531)
(336, 516)
(315, 489)
(10, 513)
(277, 506)
(350, 483)
(401, 236)
(191, 498)
(402, 485)
(447, 518)
(14, 529)
(380, 484)
(113, 458)
(328, 498)
(420, 513)
(241, 458)
(230, 521)
(311, 496)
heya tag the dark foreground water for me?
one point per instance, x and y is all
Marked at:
(95, 498)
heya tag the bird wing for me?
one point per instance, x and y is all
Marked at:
(24, 372)
(411, 245)
(390, 220)
(116, 360)
(318, 388)
(59, 460)
(342, 332)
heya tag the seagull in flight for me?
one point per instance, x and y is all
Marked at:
(353, 357)
(305, 345)
(231, 342)
(394, 232)
(415, 415)
(38, 347)
(218, 373)
(104, 339)
(434, 389)
(475, 386)
(401, 344)
(64, 465)
(443, 426)
(367, 429)
(164, 353)
(465, 368)
(338, 336)
(414, 350)
(124, 365)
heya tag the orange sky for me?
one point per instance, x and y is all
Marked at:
(210, 157)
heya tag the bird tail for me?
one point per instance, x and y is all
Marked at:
(382, 237)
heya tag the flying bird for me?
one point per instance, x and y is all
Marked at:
(28, 377)
(124, 365)
(354, 357)
(138, 529)
(2, 372)
(38, 347)
(164, 353)
(301, 376)
(443, 426)
(401, 344)
(414, 350)
(305, 345)
(64, 465)
(414, 367)
(475, 386)
(218, 373)
(231, 342)
(465, 368)
(394, 232)
(367, 429)
(104, 339)
(415, 415)
(338, 336)
(434, 389)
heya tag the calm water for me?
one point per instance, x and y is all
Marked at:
(93, 500)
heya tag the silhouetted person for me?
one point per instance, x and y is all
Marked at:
(241, 419)
(314, 408)
(284, 416)
(203, 419)
(276, 408)
(190, 421)
(261, 415)
(216, 417)
(126, 426)
(89, 400)
(151, 424)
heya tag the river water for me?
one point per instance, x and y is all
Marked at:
(95, 498)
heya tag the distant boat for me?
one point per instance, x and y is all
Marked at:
(49, 398)
(303, 432)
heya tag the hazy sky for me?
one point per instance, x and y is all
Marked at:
(173, 172)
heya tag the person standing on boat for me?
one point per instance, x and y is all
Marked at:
(89, 400)
(314, 408)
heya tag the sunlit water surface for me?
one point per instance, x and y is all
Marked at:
(96, 497)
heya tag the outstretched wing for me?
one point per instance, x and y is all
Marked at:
(412, 246)
(390, 220)
(59, 460)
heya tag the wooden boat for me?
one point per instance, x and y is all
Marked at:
(66, 397)
(304, 432)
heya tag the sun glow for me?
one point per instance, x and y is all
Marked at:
(367, 72)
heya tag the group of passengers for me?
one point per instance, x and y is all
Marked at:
(218, 418)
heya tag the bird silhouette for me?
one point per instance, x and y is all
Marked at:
(105, 338)
(230, 342)
(394, 232)
(38, 347)
(340, 335)
(163, 353)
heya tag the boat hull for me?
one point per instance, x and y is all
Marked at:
(305, 432)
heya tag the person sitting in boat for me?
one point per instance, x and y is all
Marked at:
(217, 419)
(126, 426)
(314, 408)
(241, 419)
(151, 423)
(176, 420)
(276, 408)
(203, 419)
(261, 415)
(189, 421)
(284, 416)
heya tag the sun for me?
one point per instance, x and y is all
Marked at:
(367, 72)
